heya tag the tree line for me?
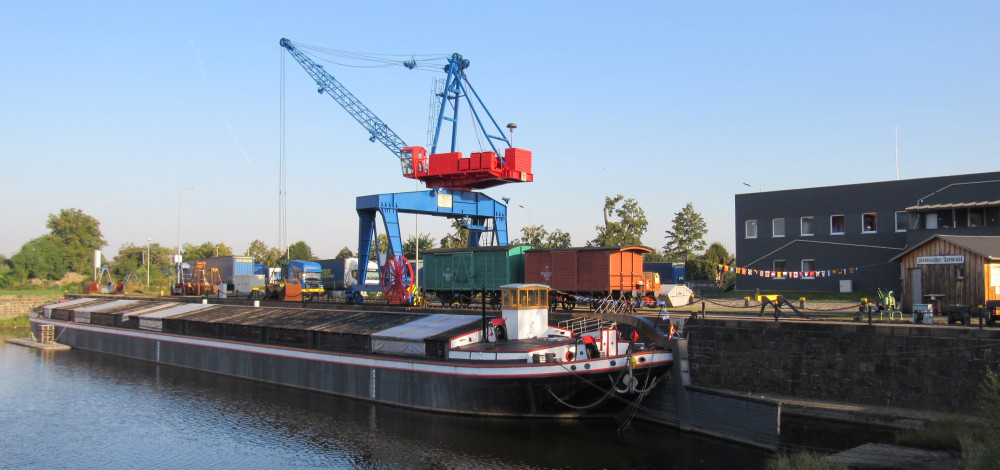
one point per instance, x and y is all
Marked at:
(74, 236)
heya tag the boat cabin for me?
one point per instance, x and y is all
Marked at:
(525, 310)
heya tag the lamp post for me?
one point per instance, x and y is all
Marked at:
(178, 258)
(529, 214)
(752, 186)
(511, 126)
(148, 241)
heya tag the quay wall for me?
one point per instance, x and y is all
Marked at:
(16, 305)
(925, 367)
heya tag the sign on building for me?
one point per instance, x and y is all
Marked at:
(942, 259)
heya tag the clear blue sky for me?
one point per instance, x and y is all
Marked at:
(113, 107)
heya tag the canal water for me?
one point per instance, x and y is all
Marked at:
(83, 410)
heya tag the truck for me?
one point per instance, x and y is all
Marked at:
(338, 275)
(670, 273)
(238, 273)
(297, 280)
(671, 287)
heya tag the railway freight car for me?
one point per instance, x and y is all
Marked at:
(456, 276)
(575, 274)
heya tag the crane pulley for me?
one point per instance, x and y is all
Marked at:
(438, 170)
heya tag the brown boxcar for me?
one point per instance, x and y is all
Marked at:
(594, 272)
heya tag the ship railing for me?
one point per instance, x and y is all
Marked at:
(582, 325)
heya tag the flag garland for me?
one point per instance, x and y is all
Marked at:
(787, 274)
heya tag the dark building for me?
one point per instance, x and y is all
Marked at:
(844, 238)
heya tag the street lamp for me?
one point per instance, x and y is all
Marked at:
(511, 126)
(752, 186)
(148, 241)
(529, 214)
(178, 258)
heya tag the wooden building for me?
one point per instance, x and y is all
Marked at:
(951, 270)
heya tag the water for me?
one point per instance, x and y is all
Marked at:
(77, 409)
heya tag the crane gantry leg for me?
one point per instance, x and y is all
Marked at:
(478, 208)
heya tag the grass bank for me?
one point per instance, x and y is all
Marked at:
(20, 321)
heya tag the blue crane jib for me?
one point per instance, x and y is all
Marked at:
(451, 169)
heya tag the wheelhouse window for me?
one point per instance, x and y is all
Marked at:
(778, 228)
(868, 221)
(902, 221)
(751, 228)
(836, 225)
(523, 297)
(806, 226)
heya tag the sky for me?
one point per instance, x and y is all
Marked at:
(114, 108)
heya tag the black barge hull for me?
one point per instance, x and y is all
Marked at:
(561, 389)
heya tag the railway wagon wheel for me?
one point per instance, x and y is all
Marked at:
(397, 277)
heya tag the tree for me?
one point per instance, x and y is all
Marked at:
(300, 251)
(457, 239)
(263, 254)
(705, 266)
(687, 236)
(345, 253)
(654, 257)
(379, 246)
(132, 259)
(78, 235)
(410, 245)
(42, 258)
(629, 227)
(206, 250)
(538, 237)
(6, 272)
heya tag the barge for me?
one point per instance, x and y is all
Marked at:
(514, 365)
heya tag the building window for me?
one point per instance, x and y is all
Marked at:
(808, 268)
(836, 225)
(868, 223)
(778, 228)
(977, 217)
(902, 221)
(959, 272)
(807, 229)
(752, 228)
(961, 218)
(993, 216)
(779, 267)
(930, 221)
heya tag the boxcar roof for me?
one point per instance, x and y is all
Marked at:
(475, 248)
(600, 248)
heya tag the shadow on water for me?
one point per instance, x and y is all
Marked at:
(108, 411)
(798, 432)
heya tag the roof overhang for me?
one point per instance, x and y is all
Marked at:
(953, 205)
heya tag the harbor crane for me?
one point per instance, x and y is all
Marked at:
(449, 177)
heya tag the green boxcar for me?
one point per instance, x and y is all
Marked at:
(456, 276)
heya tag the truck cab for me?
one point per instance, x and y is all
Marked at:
(307, 274)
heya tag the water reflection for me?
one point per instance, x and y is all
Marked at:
(89, 410)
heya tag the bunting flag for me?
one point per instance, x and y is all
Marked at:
(787, 274)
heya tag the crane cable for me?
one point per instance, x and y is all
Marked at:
(429, 62)
(282, 216)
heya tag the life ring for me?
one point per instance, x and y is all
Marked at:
(501, 332)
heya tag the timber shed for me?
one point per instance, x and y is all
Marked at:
(951, 270)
